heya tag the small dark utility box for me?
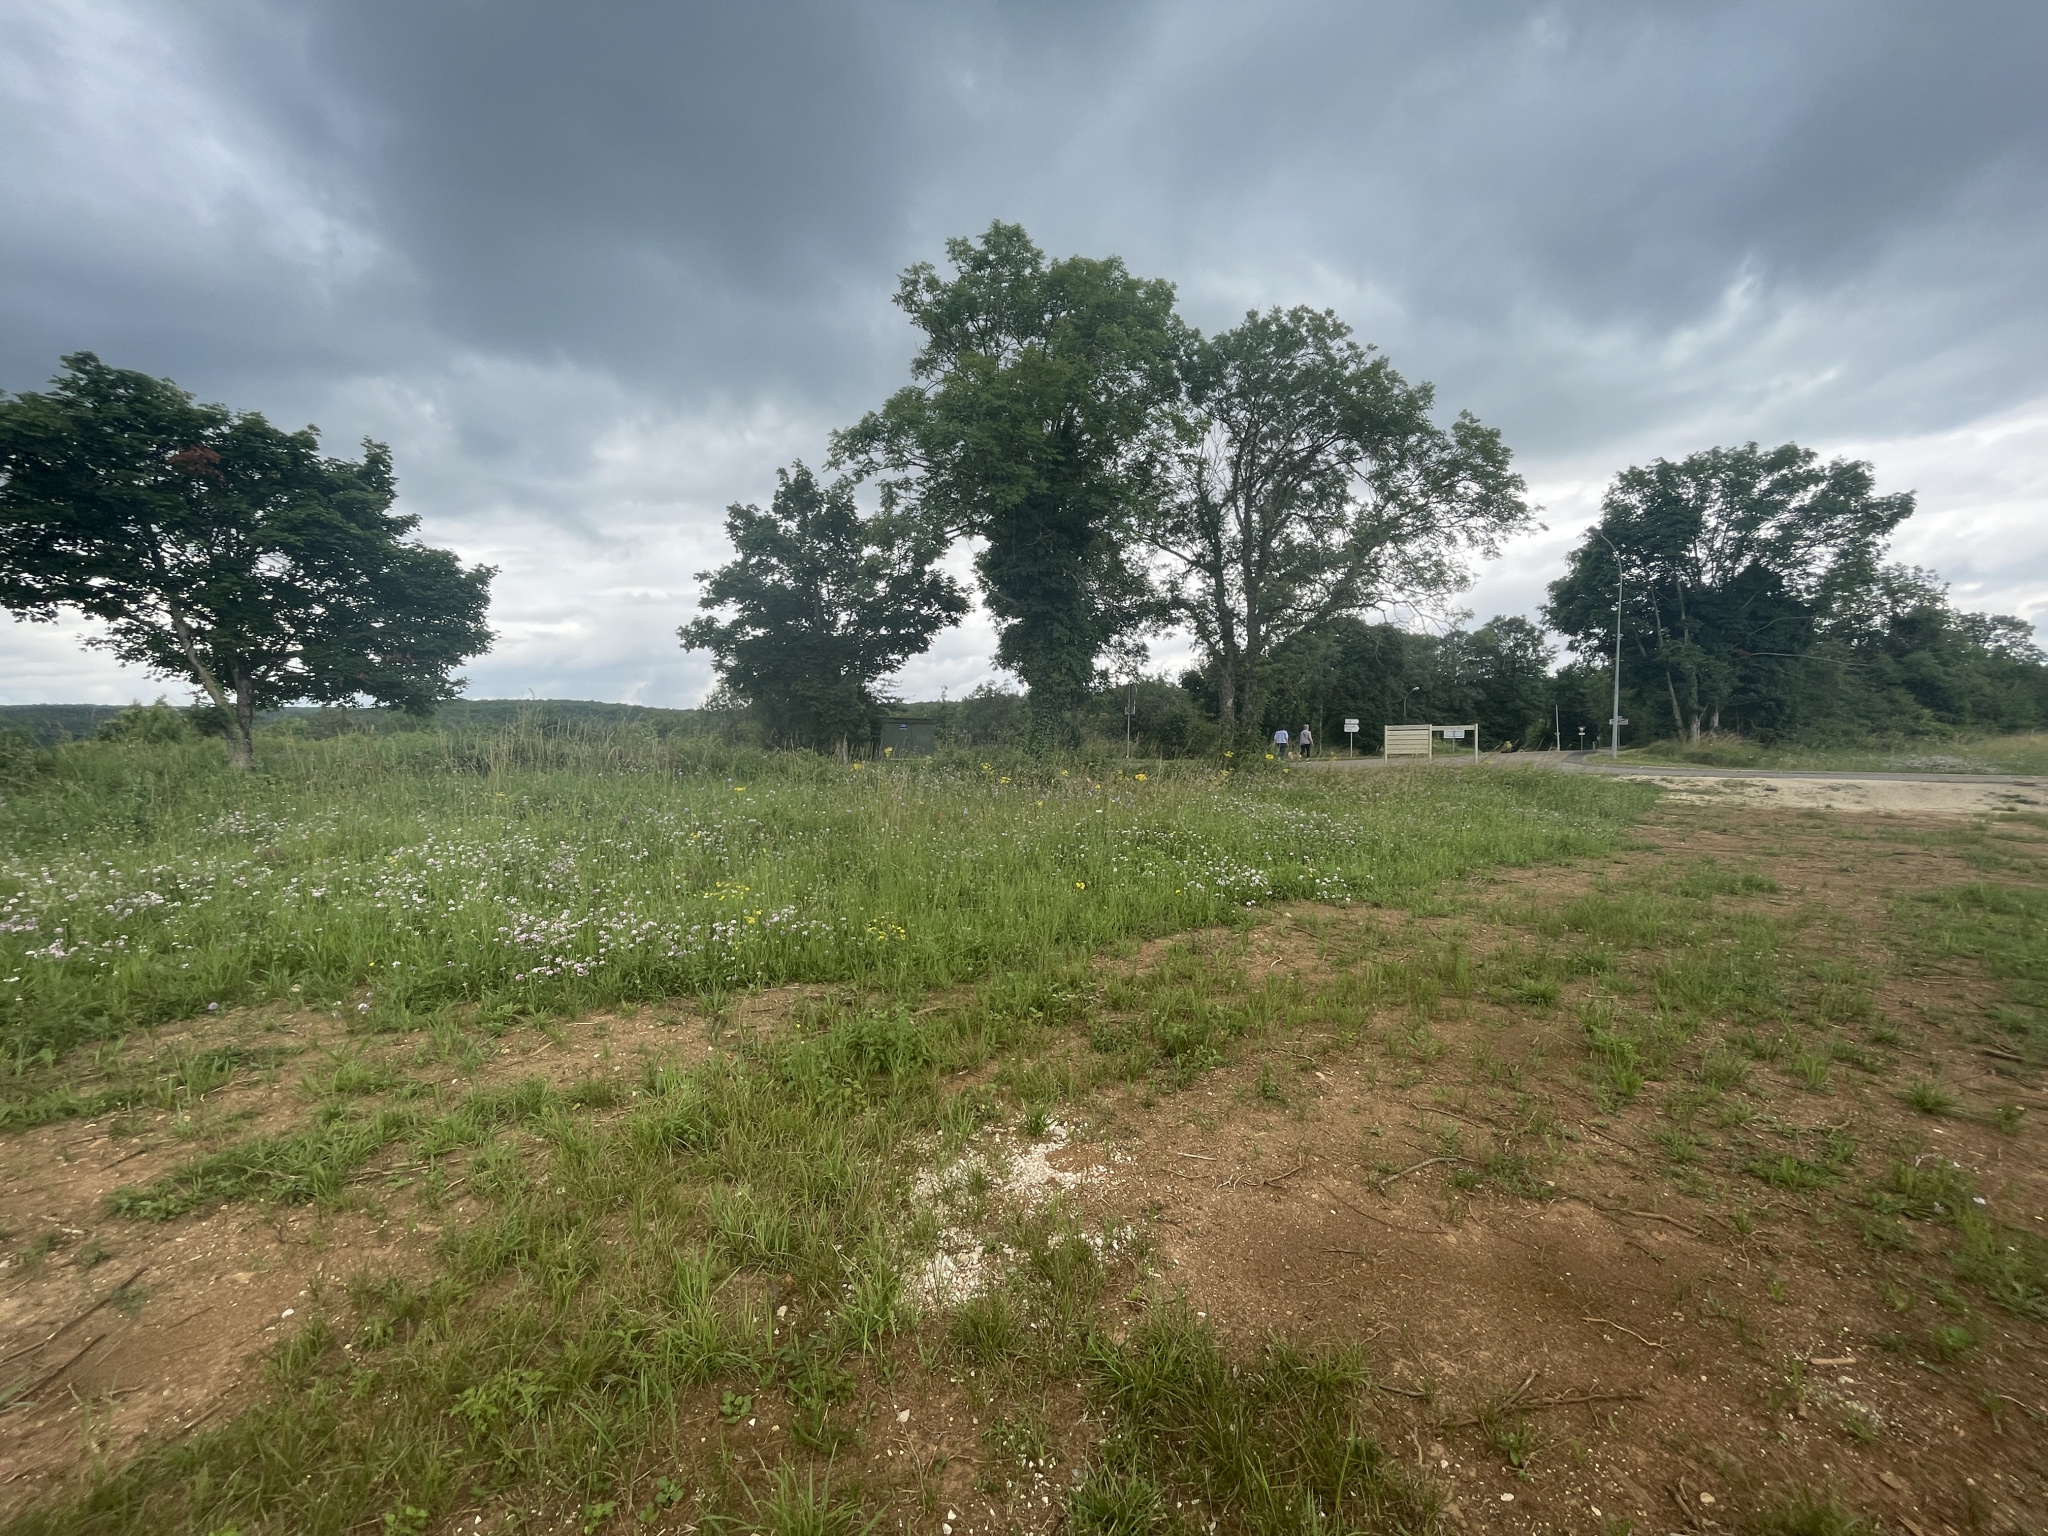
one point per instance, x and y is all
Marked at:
(908, 738)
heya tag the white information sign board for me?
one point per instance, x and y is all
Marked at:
(1408, 740)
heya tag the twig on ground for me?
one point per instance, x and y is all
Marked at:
(1197, 1156)
(12, 1395)
(29, 1349)
(1391, 1226)
(1556, 1402)
(1673, 1221)
(1609, 1322)
(1588, 1397)
(1605, 1137)
(1290, 1173)
(1426, 1162)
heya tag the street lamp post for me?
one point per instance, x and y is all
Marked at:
(1614, 723)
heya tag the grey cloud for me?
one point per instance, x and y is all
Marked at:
(596, 270)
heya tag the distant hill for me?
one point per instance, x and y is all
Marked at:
(50, 724)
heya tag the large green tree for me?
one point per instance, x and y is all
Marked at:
(1312, 482)
(219, 550)
(1030, 423)
(824, 603)
(1732, 558)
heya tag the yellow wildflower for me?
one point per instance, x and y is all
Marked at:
(1080, 885)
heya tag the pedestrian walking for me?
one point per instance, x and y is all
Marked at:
(1308, 741)
(1280, 743)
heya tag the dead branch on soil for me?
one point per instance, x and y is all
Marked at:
(1403, 1173)
(1609, 1322)
(29, 1349)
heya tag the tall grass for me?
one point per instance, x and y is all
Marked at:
(1962, 752)
(397, 877)
(735, 1232)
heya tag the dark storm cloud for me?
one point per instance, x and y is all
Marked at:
(596, 269)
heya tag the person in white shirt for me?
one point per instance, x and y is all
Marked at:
(1280, 743)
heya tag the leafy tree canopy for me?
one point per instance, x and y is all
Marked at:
(1733, 557)
(824, 604)
(222, 551)
(1029, 425)
(1312, 482)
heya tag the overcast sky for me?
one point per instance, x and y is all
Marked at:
(595, 270)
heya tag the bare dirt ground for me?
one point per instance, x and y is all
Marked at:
(1897, 796)
(1583, 1315)
(1678, 1365)
(116, 1332)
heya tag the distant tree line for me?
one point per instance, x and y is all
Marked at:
(1121, 472)
(1754, 597)
(1276, 491)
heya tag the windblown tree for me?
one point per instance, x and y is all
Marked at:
(219, 550)
(825, 603)
(1733, 559)
(1035, 398)
(1312, 482)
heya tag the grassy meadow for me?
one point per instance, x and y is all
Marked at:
(411, 880)
(425, 895)
(2023, 753)
(682, 1291)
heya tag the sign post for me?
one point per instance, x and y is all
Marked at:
(1457, 733)
(1351, 730)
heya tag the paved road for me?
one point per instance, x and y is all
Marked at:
(1588, 762)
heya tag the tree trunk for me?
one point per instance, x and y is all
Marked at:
(1226, 695)
(1695, 730)
(242, 733)
(1046, 722)
(1714, 724)
(1677, 715)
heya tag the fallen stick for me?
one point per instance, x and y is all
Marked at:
(13, 1395)
(1290, 1173)
(1197, 1156)
(29, 1349)
(1605, 1137)
(1380, 1221)
(1609, 1322)
(1653, 1216)
(1588, 1397)
(1556, 1402)
(1426, 1162)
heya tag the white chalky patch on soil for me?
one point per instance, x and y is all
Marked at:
(1024, 1173)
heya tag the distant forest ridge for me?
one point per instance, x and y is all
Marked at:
(49, 725)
